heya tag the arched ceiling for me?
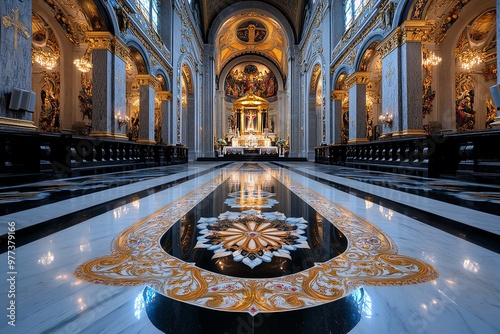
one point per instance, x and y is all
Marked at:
(251, 33)
(293, 10)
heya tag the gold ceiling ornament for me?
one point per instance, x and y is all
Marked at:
(371, 258)
(46, 59)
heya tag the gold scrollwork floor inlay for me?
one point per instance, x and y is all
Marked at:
(371, 258)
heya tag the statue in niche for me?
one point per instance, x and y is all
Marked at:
(272, 124)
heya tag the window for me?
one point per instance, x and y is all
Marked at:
(149, 9)
(352, 8)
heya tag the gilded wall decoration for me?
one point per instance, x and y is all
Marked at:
(50, 105)
(370, 258)
(491, 113)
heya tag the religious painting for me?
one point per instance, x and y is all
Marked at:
(251, 31)
(464, 103)
(251, 77)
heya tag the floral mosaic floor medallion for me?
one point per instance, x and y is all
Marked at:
(251, 236)
(371, 257)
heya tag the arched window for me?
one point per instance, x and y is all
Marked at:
(149, 9)
(352, 8)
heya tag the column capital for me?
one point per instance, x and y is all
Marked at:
(417, 31)
(120, 49)
(390, 42)
(147, 80)
(338, 94)
(357, 78)
(100, 40)
(164, 95)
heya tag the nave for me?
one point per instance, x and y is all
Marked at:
(137, 252)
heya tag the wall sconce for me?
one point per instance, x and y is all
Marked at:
(121, 121)
(386, 118)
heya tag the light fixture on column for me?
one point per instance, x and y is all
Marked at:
(470, 59)
(431, 59)
(120, 120)
(386, 118)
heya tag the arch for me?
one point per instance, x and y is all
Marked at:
(374, 37)
(160, 72)
(249, 58)
(136, 47)
(257, 7)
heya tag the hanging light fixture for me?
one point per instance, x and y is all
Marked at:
(45, 58)
(470, 59)
(431, 60)
(83, 64)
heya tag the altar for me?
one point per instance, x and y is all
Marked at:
(250, 133)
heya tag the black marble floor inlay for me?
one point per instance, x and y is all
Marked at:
(337, 317)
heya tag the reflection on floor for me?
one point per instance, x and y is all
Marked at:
(255, 248)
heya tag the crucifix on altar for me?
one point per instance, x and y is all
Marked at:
(251, 125)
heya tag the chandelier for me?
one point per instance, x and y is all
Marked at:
(470, 59)
(45, 59)
(431, 59)
(83, 64)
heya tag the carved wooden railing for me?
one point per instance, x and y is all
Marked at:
(61, 155)
(473, 156)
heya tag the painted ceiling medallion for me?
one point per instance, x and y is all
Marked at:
(255, 199)
(371, 258)
(251, 236)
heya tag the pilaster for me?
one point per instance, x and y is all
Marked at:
(356, 85)
(337, 97)
(147, 85)
(166, 104)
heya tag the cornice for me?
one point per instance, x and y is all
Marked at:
(357, 78)
(390, 43)
(164, 95)
(417, 31)
(338, 94)
(147, 80)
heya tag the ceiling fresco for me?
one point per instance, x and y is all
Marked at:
(251, 33)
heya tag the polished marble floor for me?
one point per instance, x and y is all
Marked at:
(250, 248)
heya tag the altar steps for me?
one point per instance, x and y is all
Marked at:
(251, 158)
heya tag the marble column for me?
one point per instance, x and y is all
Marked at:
(119, 126)
(15, 61)
(391, 81)
(337, 97)
(147, 84)
(102, 83)
(356, 84)
(413, 32)
(166, 101)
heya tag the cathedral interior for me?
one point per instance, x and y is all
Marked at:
(260, 166)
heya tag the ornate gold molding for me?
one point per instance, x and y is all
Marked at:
(17, 123)
(147, 79)
(146, 141)
(121, 49)
(164, 95)
(390, 42)
(102, 134)
(100, 40)
(357, 78)
(338, 94)
(357, 140)
(417, 31)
